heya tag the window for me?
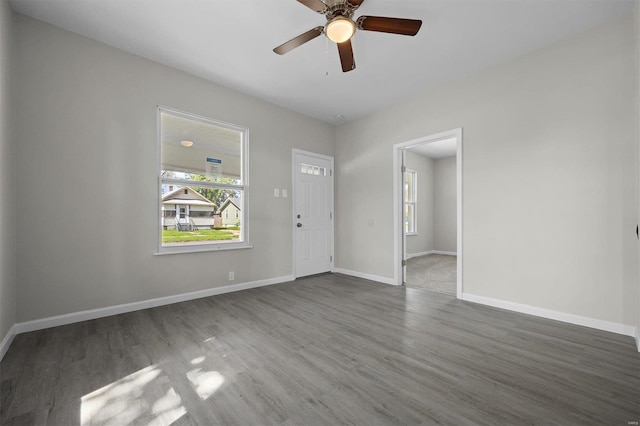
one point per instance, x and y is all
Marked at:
(308, 169)
(196, 213)
(202, 165)
(410, 180)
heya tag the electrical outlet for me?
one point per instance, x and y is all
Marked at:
(276, 192)
(232, 276)
(284, 193)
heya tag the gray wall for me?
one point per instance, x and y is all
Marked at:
(549, 175)
(86, 156)
(423, 241)
(445, 207)
(7, 225)
(637, 25)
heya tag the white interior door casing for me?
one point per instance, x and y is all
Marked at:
(404, 234)
(312, 213)
(398, 200)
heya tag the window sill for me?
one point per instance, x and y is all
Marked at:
(203, 248)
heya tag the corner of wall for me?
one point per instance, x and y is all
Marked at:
(637, 49)
(6, 341)
(7, 234)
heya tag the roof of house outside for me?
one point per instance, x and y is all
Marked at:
(231, 200)
(177, 196)
(188, 202)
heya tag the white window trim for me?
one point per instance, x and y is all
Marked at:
(244, 160)
(414, 203)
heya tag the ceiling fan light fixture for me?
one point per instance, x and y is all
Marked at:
(340, 29)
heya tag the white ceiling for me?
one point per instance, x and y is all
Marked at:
(230, 42)
(439, 149)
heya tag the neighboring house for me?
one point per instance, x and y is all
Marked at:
(185, 209)
(230, 212)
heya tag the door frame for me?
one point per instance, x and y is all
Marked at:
(398, 228)
(294, 194)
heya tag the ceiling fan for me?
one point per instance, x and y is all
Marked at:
(341, 27)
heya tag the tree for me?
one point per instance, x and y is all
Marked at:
(216, 195)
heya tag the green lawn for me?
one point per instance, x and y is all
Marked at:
(173, 236)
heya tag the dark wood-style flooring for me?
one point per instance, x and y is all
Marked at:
(325, 350)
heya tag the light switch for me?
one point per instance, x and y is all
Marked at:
(284, 193)
(276, 192)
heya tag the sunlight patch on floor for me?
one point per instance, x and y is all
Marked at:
(197, 360)
(205, 383)
(132, 399)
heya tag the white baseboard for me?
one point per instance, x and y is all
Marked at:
(25, 327)
(446, 253)
(424, 253)
(555, 315)
(370, 277)
(6, 342)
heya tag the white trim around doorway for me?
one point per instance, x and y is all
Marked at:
(397, 202)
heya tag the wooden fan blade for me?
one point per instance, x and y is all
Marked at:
(389, 25)
(355, 3)
(298, 41)
(346, 56)
(316, 5)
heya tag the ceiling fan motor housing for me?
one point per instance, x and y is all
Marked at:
(339, 8)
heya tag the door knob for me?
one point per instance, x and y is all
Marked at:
(299, 225)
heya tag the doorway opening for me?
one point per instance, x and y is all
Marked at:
(428, 213)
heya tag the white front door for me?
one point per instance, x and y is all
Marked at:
(183, 214)
(313, 213)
